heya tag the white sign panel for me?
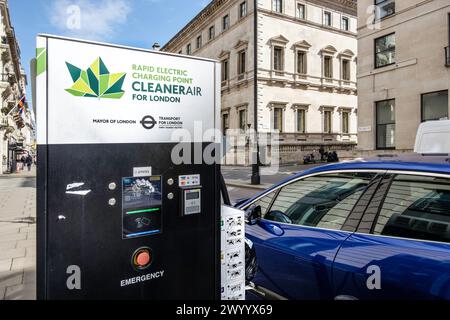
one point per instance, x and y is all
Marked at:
(232, 232)
(365, 129)
(102, 94)
(142, 172)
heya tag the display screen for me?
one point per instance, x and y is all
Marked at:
(193, 195)
(141, 206)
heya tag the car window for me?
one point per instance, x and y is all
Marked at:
(416, 207)
(323, 201)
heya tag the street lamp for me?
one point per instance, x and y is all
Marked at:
(256, 178)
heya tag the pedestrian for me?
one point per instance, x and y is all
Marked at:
(29, 162)
(322, 153)
(22, 163)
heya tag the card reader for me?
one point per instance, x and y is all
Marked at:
(191, 201)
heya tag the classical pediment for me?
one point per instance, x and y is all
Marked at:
(302, 44)
(329, 49)
(224, 54)
(279, 39)
(327, 108)
(347, 53)
(241, 44)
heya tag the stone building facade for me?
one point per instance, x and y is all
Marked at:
(16, 132)
(307, 56)
(403, 71)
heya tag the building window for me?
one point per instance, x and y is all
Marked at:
(346, 70)
(225, 123)
(199, 42)
(384, 8)
(211, 33)
(243, 119)
(278, 119)
(277, 6)
(242, 62)
(385, 116)
(327, 18)
(301, 121)
(188, 49)
(435, 106)
(225, 70)
(301, 11)
(226, 22)
(327, 121)
(345, 122)
(243, 9)
(302, 65)
(278, 63)
(385, 51)
(328, 67)
(345, 24)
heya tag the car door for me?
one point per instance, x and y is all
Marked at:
(300, 233)
(402, 250)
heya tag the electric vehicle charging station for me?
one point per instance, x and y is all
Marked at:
(117, 218)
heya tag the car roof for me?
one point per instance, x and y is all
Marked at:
(411, 163)
(414, 163)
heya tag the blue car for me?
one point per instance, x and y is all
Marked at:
(353, 231)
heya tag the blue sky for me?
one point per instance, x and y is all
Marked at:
(137, 23)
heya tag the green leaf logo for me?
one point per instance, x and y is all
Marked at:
(96, 81)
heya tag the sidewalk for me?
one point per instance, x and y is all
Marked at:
(18, 236)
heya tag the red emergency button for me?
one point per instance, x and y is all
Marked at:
(142, 258)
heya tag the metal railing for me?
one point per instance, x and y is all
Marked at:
(447, 56)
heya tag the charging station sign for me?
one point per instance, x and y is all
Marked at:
(111, 94)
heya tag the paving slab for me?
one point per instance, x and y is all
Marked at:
(11, 278)
(5, 265)
(31, 252)
(12, 237)
(30, 228)
(29, 276)
(19, 264)
(5, 226)
(21, 292)
(29, 243)
(31, 236)
(12, 253)
(8, 245)
(12, 230)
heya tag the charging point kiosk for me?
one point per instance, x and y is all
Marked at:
(119, 216)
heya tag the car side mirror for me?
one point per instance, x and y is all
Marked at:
(253, 215)
(278, 216)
